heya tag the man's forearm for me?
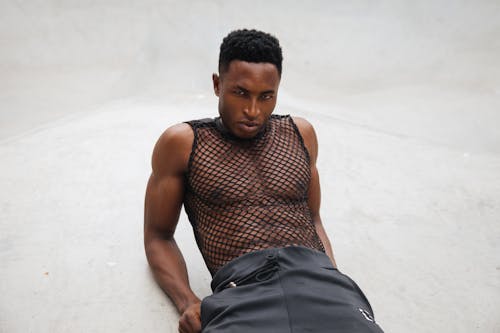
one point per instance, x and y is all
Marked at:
(170, 271)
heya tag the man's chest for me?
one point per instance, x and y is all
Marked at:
(259, 175)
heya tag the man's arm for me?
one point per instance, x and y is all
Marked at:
(314, 191)
(164, 194)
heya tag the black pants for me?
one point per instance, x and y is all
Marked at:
(292, 289)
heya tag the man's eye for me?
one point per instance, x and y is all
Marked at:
(266, 97)
(239, 92)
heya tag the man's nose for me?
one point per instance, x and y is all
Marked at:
(252, 110)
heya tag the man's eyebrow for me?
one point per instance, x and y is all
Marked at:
(270, 91)
(241, 88)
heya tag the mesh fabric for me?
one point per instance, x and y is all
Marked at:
(248, 195)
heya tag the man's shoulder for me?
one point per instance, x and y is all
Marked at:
(173, 148)
(304, 126)
(308, 134)
(176, 135)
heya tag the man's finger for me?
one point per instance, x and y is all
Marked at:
(189, 323)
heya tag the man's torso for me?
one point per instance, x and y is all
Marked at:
(247, 195)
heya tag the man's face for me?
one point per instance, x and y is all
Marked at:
(247, 96)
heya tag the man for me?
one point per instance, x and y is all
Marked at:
(250, 187)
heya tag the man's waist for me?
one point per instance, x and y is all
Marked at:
(256, 265)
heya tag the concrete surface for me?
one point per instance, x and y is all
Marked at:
(405, 98)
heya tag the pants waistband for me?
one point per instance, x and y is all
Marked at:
(260, 264)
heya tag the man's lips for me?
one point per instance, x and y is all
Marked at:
(249, 124)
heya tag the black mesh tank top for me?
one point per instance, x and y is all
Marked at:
(247, 195)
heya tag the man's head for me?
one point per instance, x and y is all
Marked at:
(248, 81)
(250, 46)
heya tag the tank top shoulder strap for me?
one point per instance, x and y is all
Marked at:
(199, 123)
(301, 139)
(195, 126)
(288, 120)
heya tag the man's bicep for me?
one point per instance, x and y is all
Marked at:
(162, 205)
(165, 189)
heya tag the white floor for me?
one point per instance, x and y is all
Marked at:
(405, 99)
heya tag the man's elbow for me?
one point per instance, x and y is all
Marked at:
(155, 242)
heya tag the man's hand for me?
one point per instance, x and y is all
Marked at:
(190, 320)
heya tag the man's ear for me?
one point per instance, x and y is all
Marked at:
(216, 82)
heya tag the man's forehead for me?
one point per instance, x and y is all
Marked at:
(247, 74)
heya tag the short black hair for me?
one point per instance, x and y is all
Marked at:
(251, 46)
